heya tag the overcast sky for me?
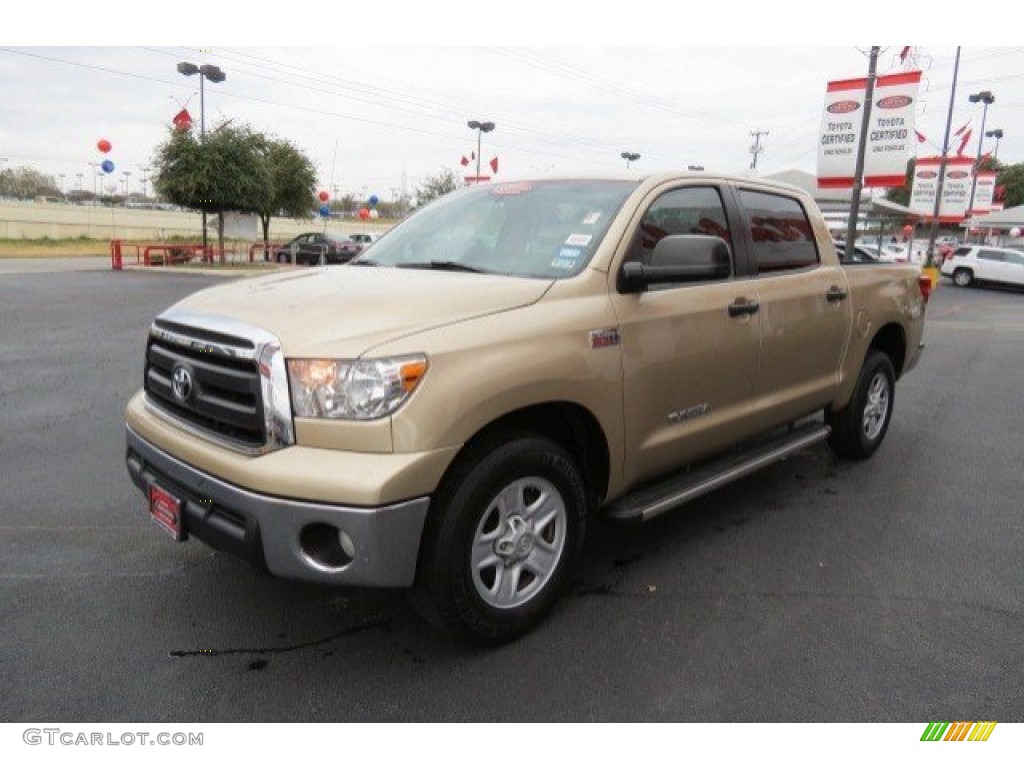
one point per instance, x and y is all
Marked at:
(371, 118)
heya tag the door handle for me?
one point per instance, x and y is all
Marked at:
(835, 293)
(743, 306)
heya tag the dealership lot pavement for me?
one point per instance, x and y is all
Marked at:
(813, 591)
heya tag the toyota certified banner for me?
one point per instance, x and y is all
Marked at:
(891, 140)
(956, 188)
(984, 191)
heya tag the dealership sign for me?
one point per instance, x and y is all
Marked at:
(956, 188)
(984, 191)
(890, 141)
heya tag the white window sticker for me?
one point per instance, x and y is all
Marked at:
(577, 239)
(569, 253)
(561, 263)
(592, 217)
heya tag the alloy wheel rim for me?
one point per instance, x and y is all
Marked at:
(518, 542)
(877, 406)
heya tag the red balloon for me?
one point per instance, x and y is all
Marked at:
(324, 197)
(364, 214)
(908, 230)
(103, 145)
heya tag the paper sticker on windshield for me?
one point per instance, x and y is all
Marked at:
(561, 263)
(591, 218)
(577, 239)
(512, 189)
(569, 253)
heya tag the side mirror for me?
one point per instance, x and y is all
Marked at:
(679, 259)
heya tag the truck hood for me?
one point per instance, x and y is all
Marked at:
(345, 311)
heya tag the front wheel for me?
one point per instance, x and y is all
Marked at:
(502, 543)
(963, 277)
(859, 428)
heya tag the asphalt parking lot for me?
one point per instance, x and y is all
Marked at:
(888, 591)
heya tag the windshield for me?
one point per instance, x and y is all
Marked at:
(547, 229)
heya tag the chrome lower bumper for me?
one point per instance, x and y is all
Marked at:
(292, 539)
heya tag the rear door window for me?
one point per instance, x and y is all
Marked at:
(781, 232)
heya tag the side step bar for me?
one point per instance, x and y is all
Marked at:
(652, 501)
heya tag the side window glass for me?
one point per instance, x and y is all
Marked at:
(687, 211)
(782, 234)
(991, 255)
(962, 251)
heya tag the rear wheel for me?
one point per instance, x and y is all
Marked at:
(503, 540)
(963, 277)
(859, 428)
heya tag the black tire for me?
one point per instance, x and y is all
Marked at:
(963, 277)
(859, 428)
(520, 502)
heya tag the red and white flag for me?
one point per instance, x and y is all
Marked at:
(494, 165)
(465, 160)
(963, 142)
(921, 138)
(962, 128)
(904, 53)
(182, 121)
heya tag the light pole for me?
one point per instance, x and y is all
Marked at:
(630, 157)
(480, 128)
(986, 98)
(94, 166)
(61, 176)
(80, 175)
(144, 180)
(124, 184)
(214, 75)
(996, 134)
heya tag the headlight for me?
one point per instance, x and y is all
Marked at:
(359, 390)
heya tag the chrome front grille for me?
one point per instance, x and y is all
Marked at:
(221, 379)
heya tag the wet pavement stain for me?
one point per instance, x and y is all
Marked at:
(370, 623)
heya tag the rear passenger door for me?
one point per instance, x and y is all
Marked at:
(804, 310)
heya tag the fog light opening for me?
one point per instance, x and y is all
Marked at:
(327, 546)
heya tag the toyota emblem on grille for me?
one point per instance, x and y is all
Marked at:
(181, 383)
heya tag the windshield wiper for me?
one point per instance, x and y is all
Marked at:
(366, 263)
(451, 266)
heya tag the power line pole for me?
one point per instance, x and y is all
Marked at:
(858, 174)
(756, 149)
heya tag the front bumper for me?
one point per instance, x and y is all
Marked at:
(290, 538)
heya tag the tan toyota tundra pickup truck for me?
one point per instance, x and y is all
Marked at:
(446, 412)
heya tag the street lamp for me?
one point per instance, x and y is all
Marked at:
(95, 172)
(61, 176)
(996, 134)
(80, 175)
(986, 98)
(630, 157)
(144, 180)
(214, 75)
(124, 184)
(480, 128)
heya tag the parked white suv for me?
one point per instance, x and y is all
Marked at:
(982, 263)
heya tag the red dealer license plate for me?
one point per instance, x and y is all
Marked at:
(165, 510)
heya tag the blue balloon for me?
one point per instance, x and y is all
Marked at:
(108, 166)
(325, 211)
(374, 199)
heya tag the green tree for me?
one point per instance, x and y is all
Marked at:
(433, 187)
(26, 183)
(289, 186)
(225, 172)
(1012, 178)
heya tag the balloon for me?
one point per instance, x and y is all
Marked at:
(908, 230)
(325, 211)
(111, 188)
(104, 146)
(1015, 232)
(108, 166)
(374, 199)
(374, 214)
(324, 197)
(364, 214)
